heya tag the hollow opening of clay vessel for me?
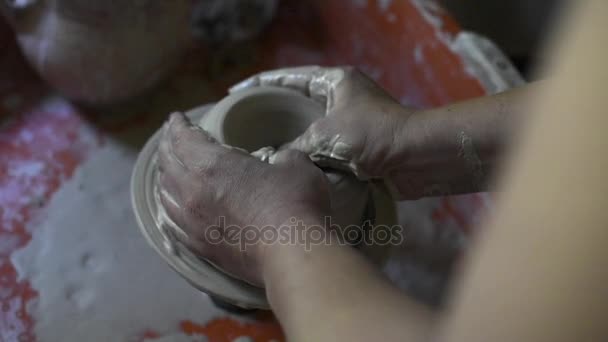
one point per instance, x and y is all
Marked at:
(271, 118)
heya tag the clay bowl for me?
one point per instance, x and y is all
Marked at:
(270, 117)
(260, 117)
(250, 120)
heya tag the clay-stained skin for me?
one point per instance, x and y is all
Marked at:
(348, 197)
(171, 231)
(319, 84)
(363, 125)
(265, 154)
(469, 154)
(206, 183)
(313, 81)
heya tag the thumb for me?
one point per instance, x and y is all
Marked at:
(304, 143)
(315, 139)
(289, 157)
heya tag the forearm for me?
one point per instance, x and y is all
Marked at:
(455, 149)
(332, 293)
(534, 275)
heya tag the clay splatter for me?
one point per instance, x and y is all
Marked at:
(469, 154)
(89, 262)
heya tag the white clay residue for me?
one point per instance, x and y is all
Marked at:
(486, 62)
(430, 10)
(178, 338)
(482, 59)
(469, 154)
(97, 278)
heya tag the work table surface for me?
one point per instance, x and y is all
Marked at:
(52, 155)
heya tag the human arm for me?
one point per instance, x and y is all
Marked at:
(446, 150)
(538, 272)
(332, 293)
(539, 269)
(457, 148)
(323, 292)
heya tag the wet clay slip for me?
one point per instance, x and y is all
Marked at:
(258, 120)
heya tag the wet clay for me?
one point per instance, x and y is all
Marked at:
(318, 84)
(262, 119)
(163, 235)
(350, 197)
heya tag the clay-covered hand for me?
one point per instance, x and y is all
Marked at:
(215, 193)
(363, 124)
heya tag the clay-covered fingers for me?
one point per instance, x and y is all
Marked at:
(290, 157)
(317, 136)
(181, 148)
(297, 160)
(315, 82)
(186, 222)
(325, 140)
(295, 78)
(189, 145)
(169, 181)
(173, 208)
(170, 169)
(193, 164)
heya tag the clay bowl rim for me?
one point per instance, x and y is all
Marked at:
(218, 114)
(202, 274)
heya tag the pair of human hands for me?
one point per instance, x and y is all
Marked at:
(203, 180)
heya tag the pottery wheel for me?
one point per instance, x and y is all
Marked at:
(200, 273)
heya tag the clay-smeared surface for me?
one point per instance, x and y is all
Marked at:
(89, 263)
